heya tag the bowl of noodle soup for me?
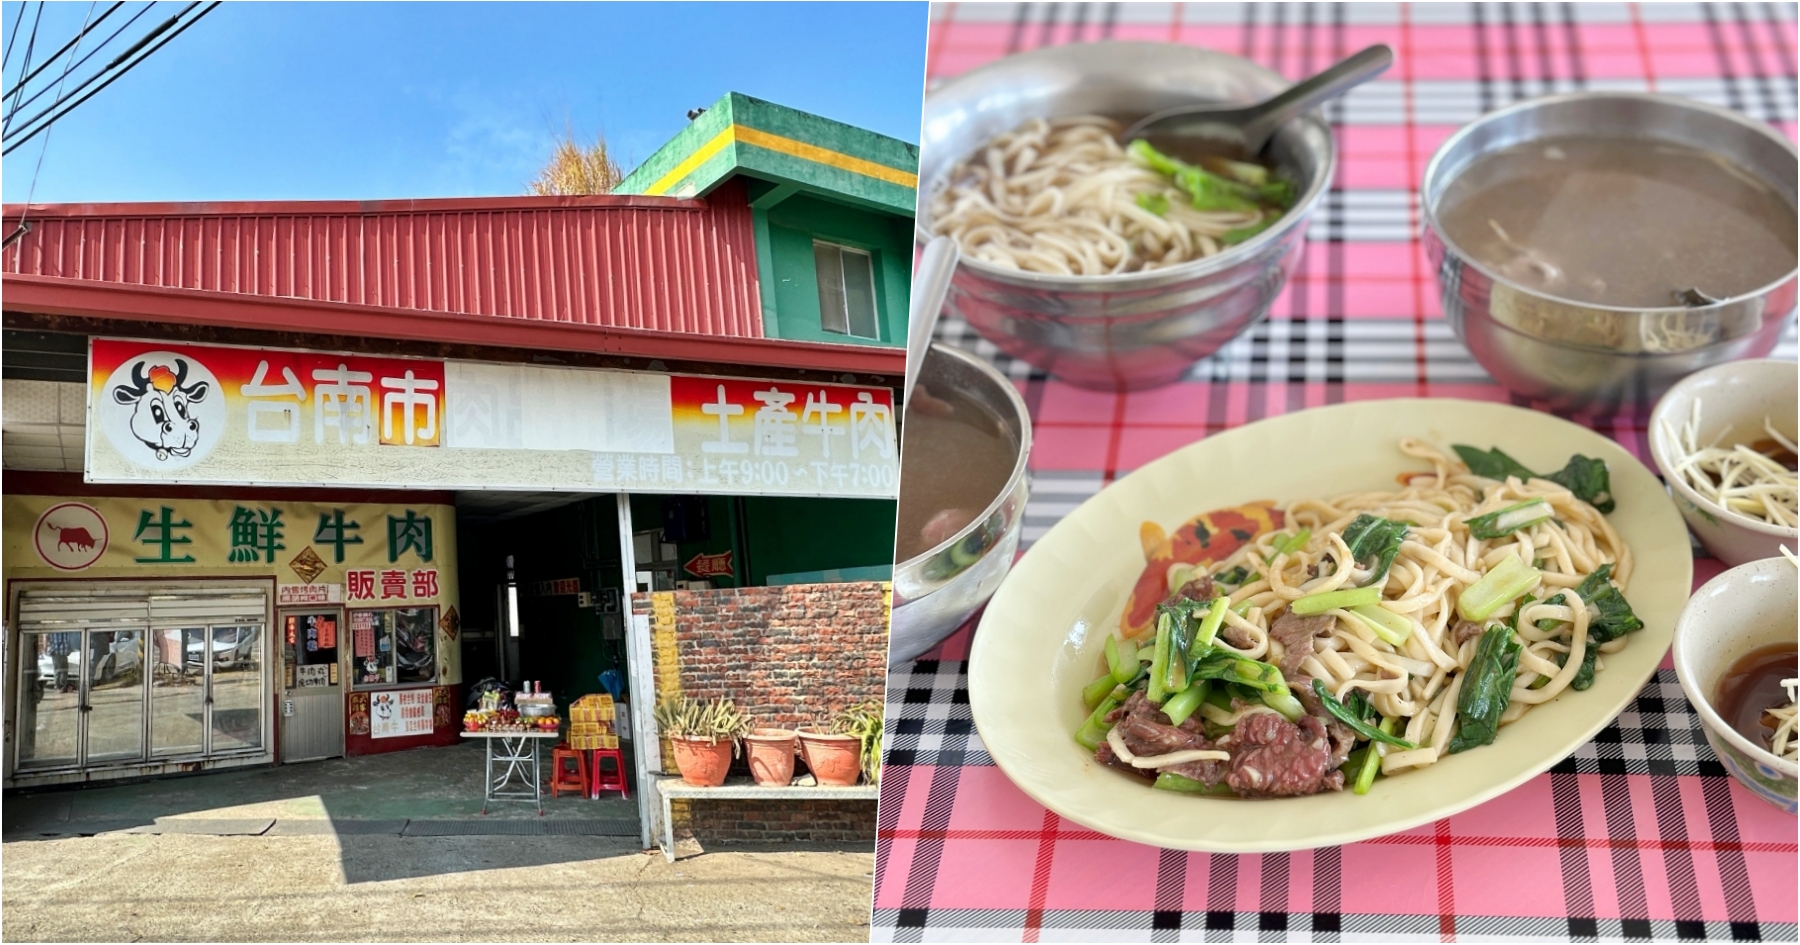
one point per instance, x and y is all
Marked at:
(1062, 267)
(1044, 632)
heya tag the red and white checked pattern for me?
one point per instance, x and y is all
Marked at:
(1639, 834)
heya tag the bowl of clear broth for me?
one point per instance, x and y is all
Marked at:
(964, 447)
(1593, 248)
(1734, 652)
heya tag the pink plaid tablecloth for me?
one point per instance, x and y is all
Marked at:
(1640, 834)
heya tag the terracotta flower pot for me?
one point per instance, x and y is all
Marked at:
(835, 760)
(771, 752)
(702, 761)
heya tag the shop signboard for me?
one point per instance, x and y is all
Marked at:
(395, 713)
(357, 555)
(183, 413)
(300, 595)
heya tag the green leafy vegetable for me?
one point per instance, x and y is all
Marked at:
(1351, 718)
(1245, 171)
(1288, 544)
(1612, 619)
(1373, 543)
(1486, 689)
(1584, 476)
(1507, 580)
(1155, 203)
(1254, 680)
(1127, 666)
(1209, 628)
(1503, 522)
(1093, 692)
(1209, 191)
(1371, 762)
(1093, 731)
(1328, 600)
(1234, 577)
(1159, 661)
(1392, 627)
(1182, 704)
(1170, 781)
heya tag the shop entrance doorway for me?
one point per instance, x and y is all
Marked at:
(147, 677)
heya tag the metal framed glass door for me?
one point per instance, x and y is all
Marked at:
(81, 697)
(206, 695)
(118, 676)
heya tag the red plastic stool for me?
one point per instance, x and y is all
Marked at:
(604, 781)
(562, 776)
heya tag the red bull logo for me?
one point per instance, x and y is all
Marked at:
(71, 536)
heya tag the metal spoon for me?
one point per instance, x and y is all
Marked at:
(930, 285)
(1248, 128)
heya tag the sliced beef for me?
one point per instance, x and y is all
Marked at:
(1105, 756)
(1272, 757)
(1342, 737)
(1208, 773)
(1237, 636)
(1146, 731)
(1200, 588)
(1296, 635)
(1464, 631)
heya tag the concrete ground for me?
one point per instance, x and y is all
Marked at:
(391, 847)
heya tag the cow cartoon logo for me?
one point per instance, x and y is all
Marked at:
(70, 536)
(163, 410)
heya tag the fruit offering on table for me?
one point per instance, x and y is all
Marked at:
(507, 720)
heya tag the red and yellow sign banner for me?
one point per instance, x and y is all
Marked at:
(181, 413)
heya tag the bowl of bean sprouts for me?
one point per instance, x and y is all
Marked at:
(1724, 439)
(1105, 262)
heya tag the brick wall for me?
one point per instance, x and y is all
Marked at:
(790, 657)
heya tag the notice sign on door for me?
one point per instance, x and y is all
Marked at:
(400, 712)
(308, 677)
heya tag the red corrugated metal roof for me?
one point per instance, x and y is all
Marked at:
(653, 264)
(652, 277)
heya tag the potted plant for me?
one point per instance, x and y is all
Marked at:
(836, 755)
(703, 737)
(864, 722)
(771, 752)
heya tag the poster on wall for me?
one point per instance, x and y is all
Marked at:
(278, 416)
(400, 712)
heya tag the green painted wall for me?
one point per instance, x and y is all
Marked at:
(790, 281)
(788, 535)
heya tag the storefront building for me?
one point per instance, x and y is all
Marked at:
(283, 479)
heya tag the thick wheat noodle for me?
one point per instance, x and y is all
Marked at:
(1420, 681)
(1060, 196)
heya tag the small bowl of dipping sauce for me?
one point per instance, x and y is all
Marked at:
(1724, 438)
(1735, 644)
(965, 444)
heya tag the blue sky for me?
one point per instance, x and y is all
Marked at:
(265, 101)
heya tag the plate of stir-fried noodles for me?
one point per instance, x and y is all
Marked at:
(1329, 625)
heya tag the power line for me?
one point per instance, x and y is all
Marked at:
(12, 39)
(30, 44)
(85, 28)
(158, 30)
(83, 61)
(35, 129)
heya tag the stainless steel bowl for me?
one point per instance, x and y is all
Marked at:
(936, 591)
(534, 711)
(1139, 329)
(1574, 355)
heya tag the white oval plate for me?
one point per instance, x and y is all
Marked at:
(1040, 639)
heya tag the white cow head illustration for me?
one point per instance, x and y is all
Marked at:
(161, 418)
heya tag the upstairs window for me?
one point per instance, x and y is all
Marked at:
(846, 290)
